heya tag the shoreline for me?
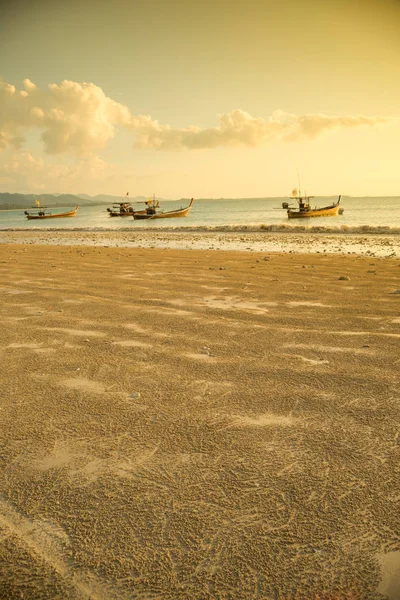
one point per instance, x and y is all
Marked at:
(378, 245)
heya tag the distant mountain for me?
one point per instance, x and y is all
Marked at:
(103, 198)
(9, 201)
(15, 201)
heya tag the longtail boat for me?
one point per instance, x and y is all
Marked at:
(120, 209)
(152, 213)
(42, 212)
(306, 211)
(151, 208)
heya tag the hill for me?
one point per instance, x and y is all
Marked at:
(16, 201)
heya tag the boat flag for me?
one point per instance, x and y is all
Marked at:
(294, 192)
(127, 193)
(37, 202)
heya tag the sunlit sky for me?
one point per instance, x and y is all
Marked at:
(203, 99)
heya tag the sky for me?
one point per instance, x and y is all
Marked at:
(202, 99)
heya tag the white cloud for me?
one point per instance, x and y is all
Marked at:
(235, 128)
(239, 128)
(311, 126)
(29, 85)
(21, 171)
(79, 118)
(75, 117)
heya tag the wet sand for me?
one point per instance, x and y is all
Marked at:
(198, 424)
(379, 244)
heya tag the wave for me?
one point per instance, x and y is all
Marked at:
(286, 228)
(233, 228)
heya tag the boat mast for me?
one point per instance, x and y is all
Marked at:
(298, 182)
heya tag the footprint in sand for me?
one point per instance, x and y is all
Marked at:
(39, 348)
(77, 332)
(85, 385)
(262, 420)
(131, 344)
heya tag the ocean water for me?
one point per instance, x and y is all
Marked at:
(361, 215)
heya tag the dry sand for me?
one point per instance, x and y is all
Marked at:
(198, 425)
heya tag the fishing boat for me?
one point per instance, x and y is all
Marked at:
(43, 213)
(120, 209)
(306, 211)
(151, 211)
(151, 208)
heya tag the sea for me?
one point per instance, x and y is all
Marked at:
(361, 215)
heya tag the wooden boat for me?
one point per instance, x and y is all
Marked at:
(151, 208)
(42, 213)
(120, 209)
(151, 211)
(305, 211)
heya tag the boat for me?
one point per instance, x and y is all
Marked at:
(306, 211)
(151, 211)
(120, 209)
(151, 208)
(43, 213)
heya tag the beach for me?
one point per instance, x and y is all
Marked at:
(199, 416)
(287, 240)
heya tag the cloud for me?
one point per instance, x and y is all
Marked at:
(73, 117)
(20, 170)
(79, 118)
(234, 129)
(240, 128)
(311, 126)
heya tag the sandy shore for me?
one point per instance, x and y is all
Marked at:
(197, 424)
(380, 245)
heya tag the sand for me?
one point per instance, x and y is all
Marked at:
(186, 424)
(244, 238)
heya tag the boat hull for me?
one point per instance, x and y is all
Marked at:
(326, 211)
(141, 216)
(72, 213)
(120, 209)
(119, 214)
(172, 214)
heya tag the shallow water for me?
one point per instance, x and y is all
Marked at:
(361, 215)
